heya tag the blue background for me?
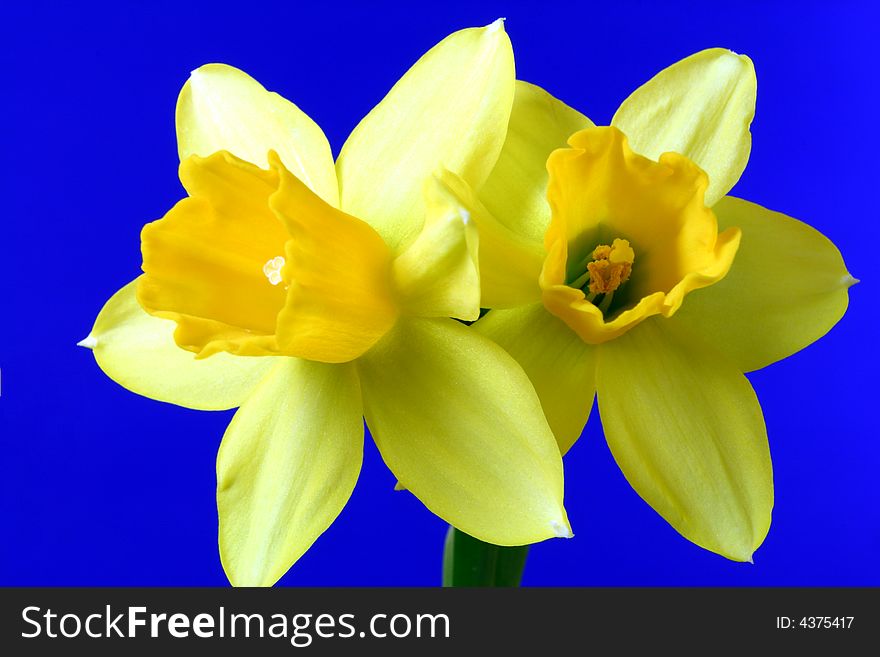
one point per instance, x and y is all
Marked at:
(102, 487)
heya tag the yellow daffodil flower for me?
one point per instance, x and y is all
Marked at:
(267, 288)
(641, 283)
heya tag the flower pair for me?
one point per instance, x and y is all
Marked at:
(311, 294)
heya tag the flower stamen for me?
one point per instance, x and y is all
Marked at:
(608, 267)
(272, 269)
(611, 267)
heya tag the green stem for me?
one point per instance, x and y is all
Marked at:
(468, 561)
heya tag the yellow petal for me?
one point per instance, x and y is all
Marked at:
(438, 274)
(460, 426)
(516, 190)
(561, 367)
(787, 287)
(138, 351)
(340, 299)
(221, 108)
(450, 109)
(686, 429)
(701, 107)
(286, 467)
(510, 264)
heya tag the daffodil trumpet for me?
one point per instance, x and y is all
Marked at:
(312, 294)
(617, 267)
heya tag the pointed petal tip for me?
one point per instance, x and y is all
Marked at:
(561, 529)
(736, 58)
(200, 70)
(89, 342)
(197, 72)
(496, 25)
(849, 280)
